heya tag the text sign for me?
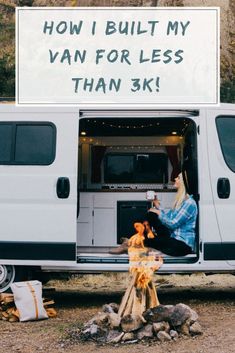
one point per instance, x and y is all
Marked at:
(130, 56)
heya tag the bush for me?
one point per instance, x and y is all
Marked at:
(7, 81)
(227, 91)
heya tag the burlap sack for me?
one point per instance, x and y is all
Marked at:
(28, 300)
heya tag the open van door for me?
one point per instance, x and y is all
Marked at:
(221, 151)
(38, 185)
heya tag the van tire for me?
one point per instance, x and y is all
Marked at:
(10, 274)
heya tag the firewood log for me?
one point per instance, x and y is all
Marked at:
(126, 296)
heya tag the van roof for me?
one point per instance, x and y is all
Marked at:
(7, 106)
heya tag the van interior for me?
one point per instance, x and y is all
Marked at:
(120, 158)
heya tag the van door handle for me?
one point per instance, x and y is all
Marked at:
(223, 188)
(63, 187)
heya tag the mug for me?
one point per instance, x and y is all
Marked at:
(150, 195)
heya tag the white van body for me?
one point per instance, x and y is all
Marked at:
(39, 226)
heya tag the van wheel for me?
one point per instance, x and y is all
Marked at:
(10, 274)
(7, 276)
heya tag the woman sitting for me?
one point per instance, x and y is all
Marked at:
(175, 229)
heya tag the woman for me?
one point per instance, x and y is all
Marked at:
(175, 228)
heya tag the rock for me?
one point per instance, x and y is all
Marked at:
(193, 316)
(114, 336)
(107, 308)
(94, 331)
(148, 315)
(146, 331)
(180, 314)
(128, 336)
(163, 336)
(170, 307)
(85, 334)
(88, 323)
(131, 342)
(161, 326)
(101, 319)
(159, 313)
(131, 323)
(174, 334)
(110, 308)
(195, 329)
(115, 307)
(184, 328)
(114, 320)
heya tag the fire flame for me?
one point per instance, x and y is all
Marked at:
(143, 263)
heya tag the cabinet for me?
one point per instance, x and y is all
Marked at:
(96, 224)
(105, 217)
(104, 227)
(84, 221)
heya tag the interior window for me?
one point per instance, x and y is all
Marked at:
(136, 168)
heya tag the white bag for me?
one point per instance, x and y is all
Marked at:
(28, 300)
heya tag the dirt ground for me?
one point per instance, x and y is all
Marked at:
(77, 300)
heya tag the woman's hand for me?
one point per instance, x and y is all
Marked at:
(154, 210)
(156, 203)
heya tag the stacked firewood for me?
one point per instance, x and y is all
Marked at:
(9, 312)
(141, 293)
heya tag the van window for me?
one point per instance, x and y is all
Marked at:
(5, 142)
(27, 143)
(226, 132)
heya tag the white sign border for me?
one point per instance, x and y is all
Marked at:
(118, 105)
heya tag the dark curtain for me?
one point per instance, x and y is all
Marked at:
(97, 154)
(173, 157)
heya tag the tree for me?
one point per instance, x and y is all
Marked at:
(24, 2)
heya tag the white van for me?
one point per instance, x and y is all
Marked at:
(72, 182)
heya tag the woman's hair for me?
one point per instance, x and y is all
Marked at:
(181, 193)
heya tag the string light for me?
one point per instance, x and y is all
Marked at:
(134, 126)
(124, 126)
(135, 147)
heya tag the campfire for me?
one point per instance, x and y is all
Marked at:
(140, 315)
(141, 293)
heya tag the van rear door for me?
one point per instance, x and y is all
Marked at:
(38, 186)
(221, 148)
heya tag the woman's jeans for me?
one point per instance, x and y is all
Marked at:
(163, 241)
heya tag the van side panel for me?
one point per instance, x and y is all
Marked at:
(221, 151)
(38, 221)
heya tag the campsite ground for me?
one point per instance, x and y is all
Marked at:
(78, 299)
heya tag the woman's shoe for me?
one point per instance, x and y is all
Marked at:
(121, 249)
